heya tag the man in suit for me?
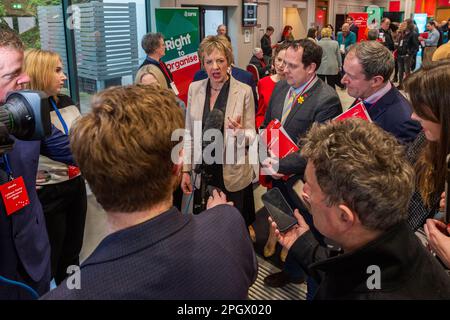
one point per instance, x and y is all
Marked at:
(266, 42)
(386, 35)
(24, 244)
(368, 67)
(297, 103)
(365, 220)
(353, 27)
(152, 250)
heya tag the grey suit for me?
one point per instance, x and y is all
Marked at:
(321, 103)
(331, 57)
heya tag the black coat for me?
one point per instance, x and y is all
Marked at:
(408, 44)
(407, 269)
(388, 41)
(266, 45)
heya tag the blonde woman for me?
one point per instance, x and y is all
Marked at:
(61, 189)
(151, 74)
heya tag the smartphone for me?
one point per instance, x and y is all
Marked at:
(279, 209)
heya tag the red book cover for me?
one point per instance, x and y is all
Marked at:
(357, 111)
(277, 140)
(424, 35)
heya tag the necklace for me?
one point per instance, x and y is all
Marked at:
(216, 89)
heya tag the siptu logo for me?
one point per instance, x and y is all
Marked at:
(74, 279)
(374, 280)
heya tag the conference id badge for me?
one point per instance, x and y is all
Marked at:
(73, 171)
(401, 43)
(342, 47)
(15, 196)
(174, 88)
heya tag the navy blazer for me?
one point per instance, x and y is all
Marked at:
(30, 242)
(237, 73)
(172, 256)
(393, 113)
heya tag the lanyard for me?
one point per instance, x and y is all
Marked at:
(164, 69)
(66, 130)
(8, 167)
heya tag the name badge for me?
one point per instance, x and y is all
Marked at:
(174, 88)
(15, 196)
(342, 47)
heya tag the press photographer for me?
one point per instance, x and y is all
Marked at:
(24, 245)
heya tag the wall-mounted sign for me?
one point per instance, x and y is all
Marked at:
(249, 13)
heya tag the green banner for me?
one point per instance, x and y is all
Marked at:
(375, 13)
(180, 27)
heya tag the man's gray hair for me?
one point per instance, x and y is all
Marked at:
(375, 59)
(257, 50)
(150, 42)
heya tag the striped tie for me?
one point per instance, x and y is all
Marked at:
(289, 103)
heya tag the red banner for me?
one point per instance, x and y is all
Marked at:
(360, 20)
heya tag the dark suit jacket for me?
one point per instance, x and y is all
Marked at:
(321, 104)
(393, 113)
(237, 73)
(172, 256)
(29, 242)
(266, 45)
(263, 71)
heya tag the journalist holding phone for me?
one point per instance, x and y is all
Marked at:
(430, 98)
(358, 186)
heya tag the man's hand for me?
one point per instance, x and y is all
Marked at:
(269, 165)
(288, 238)
(438, 239)
(216, 199)
(186, 183)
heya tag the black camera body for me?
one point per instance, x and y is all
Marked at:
(26, 116)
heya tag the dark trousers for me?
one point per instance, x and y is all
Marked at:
(65, 206)
(331, 79)
(404, 67)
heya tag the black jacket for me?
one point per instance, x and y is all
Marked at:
(408, 44)
(263, 71)
(266, 45)
(166, 72)
(388, 41)
(407, 269)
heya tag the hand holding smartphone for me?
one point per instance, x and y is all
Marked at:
(279, 210)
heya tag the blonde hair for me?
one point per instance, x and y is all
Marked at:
(154, 71)
(40, 65)
(326, 33)
(220, 43)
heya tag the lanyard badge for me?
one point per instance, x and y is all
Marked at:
(14, 192)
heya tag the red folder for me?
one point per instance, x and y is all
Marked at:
(278, 142)
(357, 111)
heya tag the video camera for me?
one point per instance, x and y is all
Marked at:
(26, 116)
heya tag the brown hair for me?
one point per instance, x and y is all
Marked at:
(10, 39)
(123, 146)
(360, 165)
(430, 98)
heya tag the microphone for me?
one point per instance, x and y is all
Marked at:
(213, 121)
